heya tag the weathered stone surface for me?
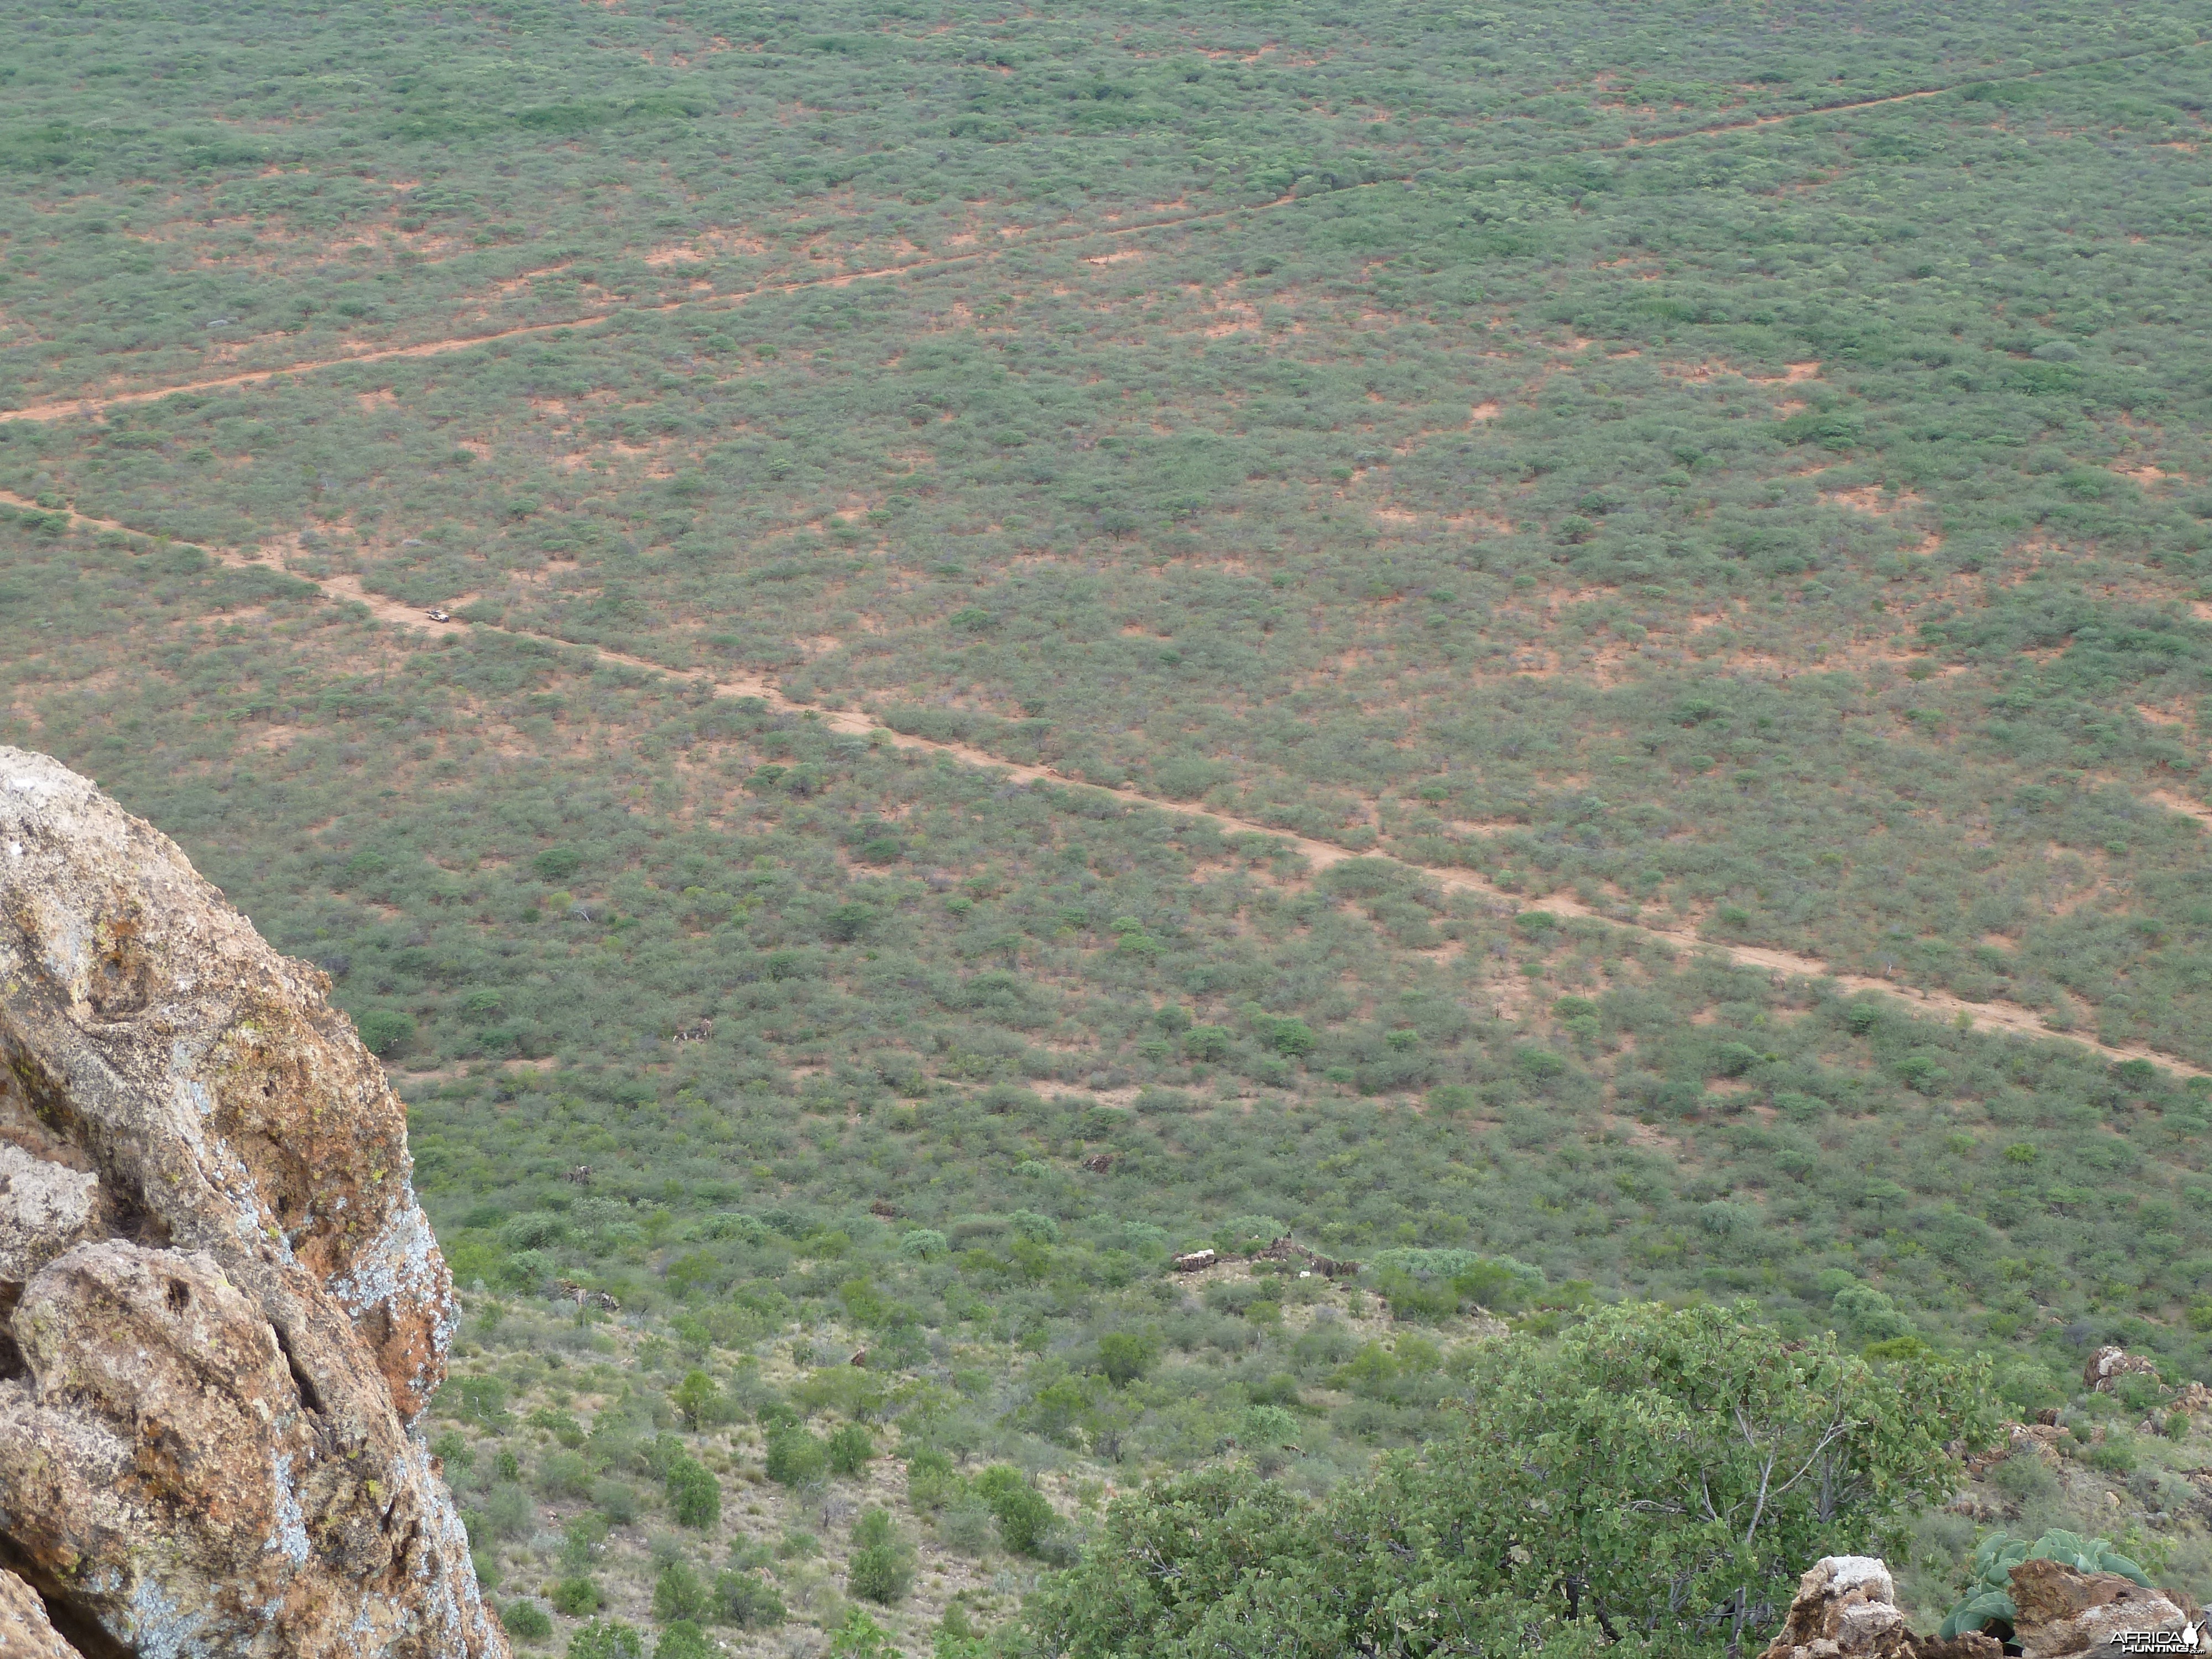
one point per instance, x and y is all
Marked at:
(44, 1208)
(2108, 1364)
(2064, 1611)
(26, 1632)
(230, 1307)
(1846, 1608)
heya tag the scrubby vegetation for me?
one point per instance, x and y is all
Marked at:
(1479, 441)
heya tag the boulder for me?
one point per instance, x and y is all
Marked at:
(2108, 1364)
(1846, 1608)
(2063, 1610)
(221, 1305)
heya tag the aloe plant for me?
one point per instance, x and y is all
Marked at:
(1988, 1600)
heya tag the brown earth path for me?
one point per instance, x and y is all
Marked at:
(1318, 854)
(59, 408)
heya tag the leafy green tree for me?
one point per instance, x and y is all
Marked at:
(1022, 1513)
(683, 1640)
(1660, 1473)
(861, 1637)
(882, 1566)
(526, 1622)
(1125, 1356)
(849, 1449)
(746, 1599)
(577, 1597)
(795, 1458)
(695, 1496)
(678, 1593)
(611, 1640)
(694, 1399)
(386, 1032)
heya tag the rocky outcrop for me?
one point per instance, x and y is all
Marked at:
(1846, 1608)
(2063, 1610)
(2108, 1365)
(222, 1306)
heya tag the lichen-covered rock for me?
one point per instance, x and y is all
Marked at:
(222, 1304)
(2063, 1610)
(26, 1632)
(1846, 1608)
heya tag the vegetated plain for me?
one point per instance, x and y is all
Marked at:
(1659, 459)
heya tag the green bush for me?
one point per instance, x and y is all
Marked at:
(849, 1449)
(796, 1458)
(695, 1496)
(882, 1566)
(861, 1637)
(683, 1640)
(526, 1622)
(386, 1032)
(611, 1640)
(743, 1598)
(577, 1597)
(1021, 1511)
(678, 1593)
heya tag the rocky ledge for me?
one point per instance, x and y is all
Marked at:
(1846, 1608)
(221, 1309)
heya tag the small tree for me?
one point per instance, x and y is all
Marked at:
(795, 1458)
(882, 1567)
(1124, 1356)
(1660, 1474)
(679, 1594)
(861, 1637)
(695, 1496)
(747, 1600)
(612, 1640)
(1024, 1515)
(694, 1399)
(850, 1448)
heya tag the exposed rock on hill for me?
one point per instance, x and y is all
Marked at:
(2108, 1365)
(1846, 1608)
(2064, 1611)
(221, 1307)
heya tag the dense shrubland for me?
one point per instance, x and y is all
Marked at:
(1792, 534)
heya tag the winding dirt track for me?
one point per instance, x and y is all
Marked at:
(1319, 854)
(1986, 1016)
(61, 408)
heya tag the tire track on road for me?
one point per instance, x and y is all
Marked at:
(2002, 1017)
